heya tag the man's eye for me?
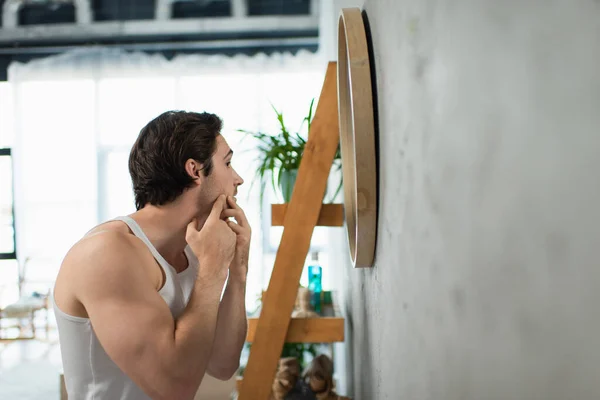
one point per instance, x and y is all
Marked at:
(228, 163)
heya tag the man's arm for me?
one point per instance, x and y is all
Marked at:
(231, 331)
(167, 359)
(134, 324)
(232, 324)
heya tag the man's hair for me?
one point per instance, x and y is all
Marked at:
(158, 156)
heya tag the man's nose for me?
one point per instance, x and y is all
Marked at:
(239, 179)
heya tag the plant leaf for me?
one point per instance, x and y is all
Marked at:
(310, 114)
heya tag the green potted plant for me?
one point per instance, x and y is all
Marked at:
(279, 156)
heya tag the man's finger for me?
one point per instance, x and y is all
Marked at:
(229, 213)
(191, 227)
(217, 208)
(232, 203)
(241, 217)
(235, 227)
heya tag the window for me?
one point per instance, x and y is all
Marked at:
(100, 115)
(114, 183)
(7, 215)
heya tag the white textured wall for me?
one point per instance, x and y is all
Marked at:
(487, 279)
(329, 12)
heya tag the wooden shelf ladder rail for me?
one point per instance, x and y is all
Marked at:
(301, 216)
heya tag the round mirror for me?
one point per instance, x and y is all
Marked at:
(357, 137)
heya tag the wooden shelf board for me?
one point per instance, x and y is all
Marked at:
(307, 330)
(330, 215)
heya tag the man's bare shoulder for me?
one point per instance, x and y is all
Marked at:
(110, 226)
(102, 240)
(100, 252)
(100, 245)
(109, 241)
(106, 257)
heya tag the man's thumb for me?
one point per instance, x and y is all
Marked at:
(217, 208)
(191, 227)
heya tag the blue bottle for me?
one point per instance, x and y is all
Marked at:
(314, 282)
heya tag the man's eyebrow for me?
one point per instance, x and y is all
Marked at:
(229, 153)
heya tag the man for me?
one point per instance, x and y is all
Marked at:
(139, 300)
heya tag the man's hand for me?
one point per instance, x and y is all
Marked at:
(214, 244)
(241, 227)
(232, 324)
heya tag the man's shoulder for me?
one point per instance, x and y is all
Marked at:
(106, 240)
(102, 259)
(104, 245)
(114, 226)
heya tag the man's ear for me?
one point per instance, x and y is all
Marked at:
(194, 169)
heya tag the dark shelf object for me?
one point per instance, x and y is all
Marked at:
(199, 9)
(46, 13)
(123, 10)
(278, 7)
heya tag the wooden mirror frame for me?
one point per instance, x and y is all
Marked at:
(357, 132)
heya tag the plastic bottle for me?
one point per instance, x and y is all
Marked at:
(314, 282)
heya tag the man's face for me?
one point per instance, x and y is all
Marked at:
(223, 179)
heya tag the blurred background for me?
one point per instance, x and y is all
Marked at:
(79, 79)
(486, 281)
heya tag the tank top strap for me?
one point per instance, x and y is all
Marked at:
(137, 231)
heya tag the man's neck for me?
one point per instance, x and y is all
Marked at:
(166, 226)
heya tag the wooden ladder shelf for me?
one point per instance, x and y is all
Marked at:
(275, 326)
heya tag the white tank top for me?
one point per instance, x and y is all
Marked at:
(89, 372)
